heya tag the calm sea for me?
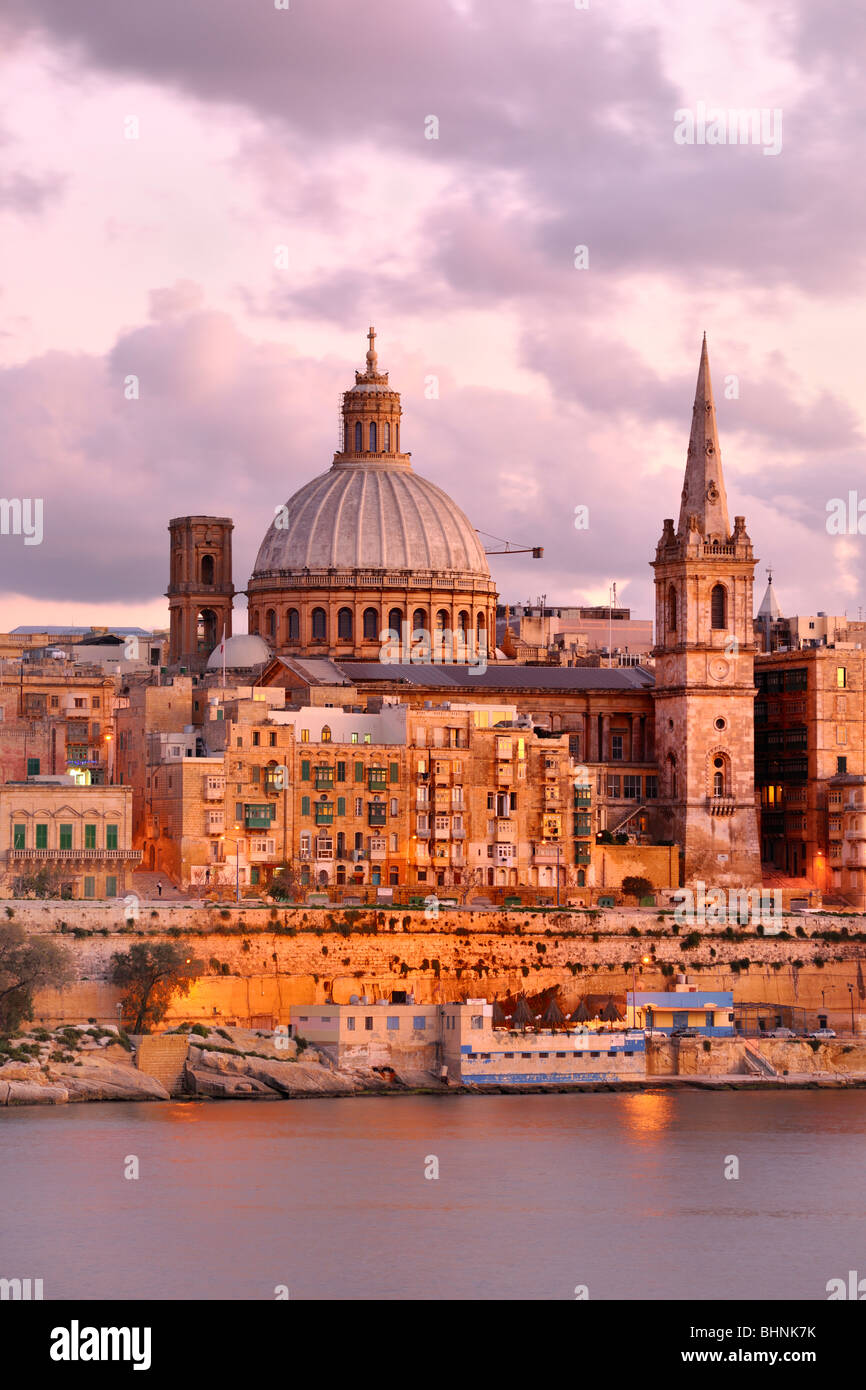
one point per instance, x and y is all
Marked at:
(535, 1195)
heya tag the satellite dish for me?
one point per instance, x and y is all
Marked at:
(353, 999)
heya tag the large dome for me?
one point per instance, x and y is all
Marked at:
(241, 652)
(371, 516)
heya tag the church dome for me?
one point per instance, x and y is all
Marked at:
(371, 514)
(241, 652)
(368, 546)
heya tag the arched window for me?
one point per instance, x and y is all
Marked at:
(373, 444)
(397, 433)
(359, 437)
(481, 625)
(721, 767)
(718, 607)
(463, 622)
(271, 623)
(395, 620)
(294, 625)
(253, 623)
(419, 620)
(442, 619)
(207, 569)
(326, 733)
(718, 784)
(344, 625)
(206, 630)
(371, 625)
(672, 609)
(581, 878)
(387, 440)
(320, 625)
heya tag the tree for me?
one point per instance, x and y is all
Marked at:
(45, 882)
(636, 886)
(28, 964)
(149, 975)
(286, 886)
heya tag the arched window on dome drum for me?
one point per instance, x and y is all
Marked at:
(463, 622)
(294, 625)
(271, 624)
(395, 620)
(442, 619)
(672, 609)
(344, 625)
(397, 434)
(207, 569)
(359, 437)
(371, 625)
(718, 607)
(373, 445)
(320, 625)
(481, 625)
(419, 620)
(386, 443)
(253, 623)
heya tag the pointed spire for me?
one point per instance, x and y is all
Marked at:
(703, 495)
(769, 608)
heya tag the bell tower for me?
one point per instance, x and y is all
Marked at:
(200, 589)
(704, 661)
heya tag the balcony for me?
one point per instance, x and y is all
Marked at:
(66, 854)
(214, 793)
(422, 802)
(442, 832)
(721, 805)
(422, 834)
(581, 855)
(504, 776)
(546, 854)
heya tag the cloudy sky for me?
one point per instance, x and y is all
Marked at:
(559, 386)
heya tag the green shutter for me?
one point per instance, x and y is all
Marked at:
(305, 805)
(341, 805)
(90, 837)
(395, 772)
(19, 840)
(341, 772)
(42, 836)
(110, 886)
(305, 770)
(359, 772)
(89, 887)
(32, 767)
(111, 837)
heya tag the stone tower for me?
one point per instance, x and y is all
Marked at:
(704, 692)
(200, 589)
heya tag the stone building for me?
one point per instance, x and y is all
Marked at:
(55, 717)
(81, 835)
(200, 590)
(704, 669)
(809, 738)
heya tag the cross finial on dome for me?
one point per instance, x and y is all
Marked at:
(371, 350)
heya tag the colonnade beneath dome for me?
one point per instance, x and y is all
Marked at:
(349, 624)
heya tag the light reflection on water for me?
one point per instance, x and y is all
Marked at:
(625, 1193)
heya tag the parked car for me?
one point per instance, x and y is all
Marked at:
(684, 1033)
(781, 1033)
(823, 1033)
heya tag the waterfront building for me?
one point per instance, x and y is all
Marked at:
(77, 837)
(710, 1013)
(458, 1042)
(55, 717)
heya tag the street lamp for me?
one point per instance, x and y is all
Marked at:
(237, 845)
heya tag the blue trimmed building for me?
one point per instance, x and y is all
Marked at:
(710, 1013)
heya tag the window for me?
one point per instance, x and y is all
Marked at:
(305, 769)
(373, 437)
(19, 837)
(616, 747)
(66, 836)
(371, 625)
(89, 886)
(631, 788)
(359, 437)
(476, 1021)
(33, 767)
(672, 608)
(344, 625)
(305, 805)
(393, 1023)
(368, 1023)
(419, 620)
(613, 783)
(841, 677)
(320, 625)
(652, 787)
(394, 772)
(294, 625)
(842, 764)
(271, 623)
(718, 607)
(709, 1019)
(89, 836)
(359, 806)
(111, 886)
(386, 428)
(256, 740)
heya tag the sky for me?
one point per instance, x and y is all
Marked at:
(154, 157)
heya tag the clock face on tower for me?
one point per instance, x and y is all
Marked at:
(719, 668)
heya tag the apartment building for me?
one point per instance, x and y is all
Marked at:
(68, 837)
(55, 718)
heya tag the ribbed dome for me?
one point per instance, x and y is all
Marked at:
(371, 515)
(242, 651)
